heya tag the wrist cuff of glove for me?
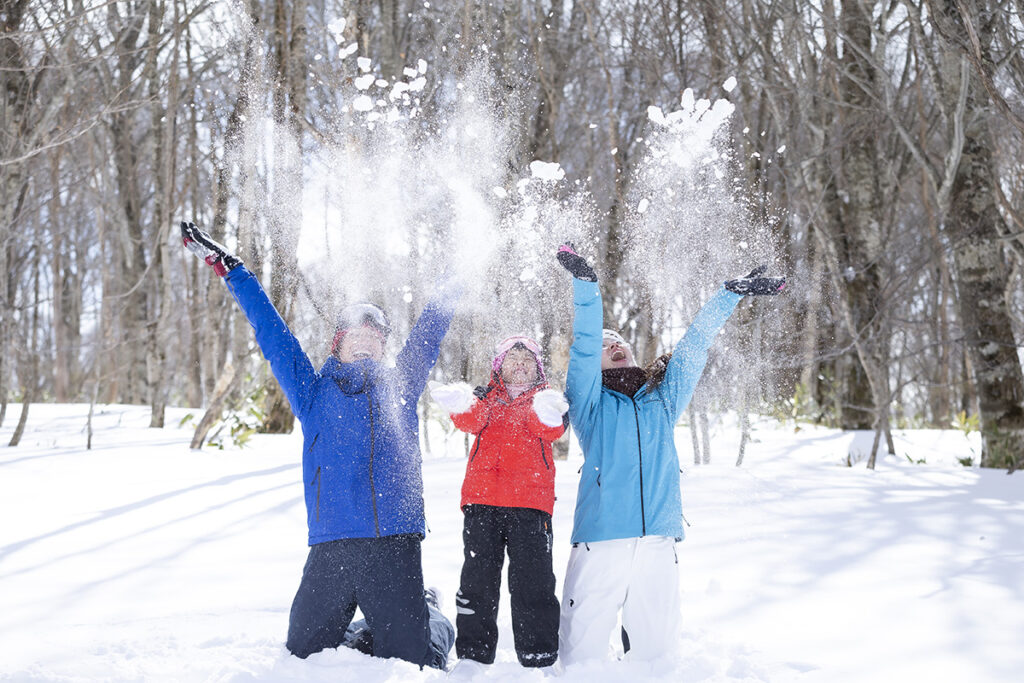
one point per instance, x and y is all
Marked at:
(592, 277)
(222, 265)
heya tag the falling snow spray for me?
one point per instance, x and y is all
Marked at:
(394, 204)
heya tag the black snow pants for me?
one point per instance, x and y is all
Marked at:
(384, 578)
(526, 533)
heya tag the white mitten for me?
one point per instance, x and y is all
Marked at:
(550, 406)
(454, 398)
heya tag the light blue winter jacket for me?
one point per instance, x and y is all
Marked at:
(629, 485)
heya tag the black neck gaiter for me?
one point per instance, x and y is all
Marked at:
(624, 380)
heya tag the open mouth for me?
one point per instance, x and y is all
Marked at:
(618, 354)
(360, 355)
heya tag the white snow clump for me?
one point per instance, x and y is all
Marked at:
(544, 170)
(336, 28)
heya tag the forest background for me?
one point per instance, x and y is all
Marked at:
(361, 149)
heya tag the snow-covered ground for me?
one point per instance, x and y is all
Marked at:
(141, 560)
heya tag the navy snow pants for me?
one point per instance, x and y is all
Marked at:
(526, 534)
(384, 578)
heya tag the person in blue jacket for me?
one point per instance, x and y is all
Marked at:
(628, 509)
(360, 468)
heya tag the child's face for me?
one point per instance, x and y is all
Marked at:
(519, 367)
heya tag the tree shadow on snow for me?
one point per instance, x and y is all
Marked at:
(112, 513)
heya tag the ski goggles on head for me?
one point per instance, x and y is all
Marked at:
(609, 337)
(506, 345)
(358, 315)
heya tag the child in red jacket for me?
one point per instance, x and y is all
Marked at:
(507, 499)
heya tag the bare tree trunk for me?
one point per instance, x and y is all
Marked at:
(61, 359)
(197, 360)
(16, 95)
(856, 249)
(230, 376)
(236, 154)
(705, 433)
(981, 282)
(32, 380)
(614, 254)
(390, 58)
(88, 420)
(691, 413)
(976, 227)
(811, 333)
(163, 122)
(744, 425)
(289, 110)
(134, 305)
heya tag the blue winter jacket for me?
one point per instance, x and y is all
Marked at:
(360, 454)
(629, 485)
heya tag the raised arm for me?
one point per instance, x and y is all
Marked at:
(690, 355)
(288, 361)
(583, 379)
(421, 349)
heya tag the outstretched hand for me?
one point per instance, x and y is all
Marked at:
(454, 398)
(574, 263)
(755, 285)
(550, 405)
(213, 253)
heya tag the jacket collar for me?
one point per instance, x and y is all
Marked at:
(500, 392)
(352, 378)
(626, 381)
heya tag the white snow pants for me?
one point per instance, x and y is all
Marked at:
(640, 576)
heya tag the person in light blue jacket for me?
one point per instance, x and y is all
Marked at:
(628, 507)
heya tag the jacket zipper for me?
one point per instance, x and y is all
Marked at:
(316, 477)
(640, 454)
(543, 457)
(479, 438)
(316, 480)
(373, 490)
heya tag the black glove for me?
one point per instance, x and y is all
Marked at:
(203, 246)
(756, 286)
(481, 391)
(575, 263)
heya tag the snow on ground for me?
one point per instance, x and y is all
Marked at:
(141, 560)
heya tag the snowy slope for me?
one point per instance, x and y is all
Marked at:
(141, 560)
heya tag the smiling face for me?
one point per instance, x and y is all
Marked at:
(519, 367)
(360, 343)
(616, 354)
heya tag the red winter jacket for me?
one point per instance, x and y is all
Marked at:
(511, 464)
